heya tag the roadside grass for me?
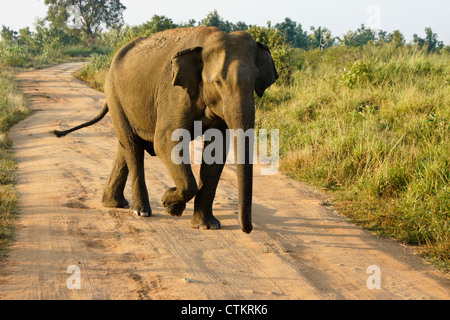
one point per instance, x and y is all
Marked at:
(82, 50)
(13, 108)
(95, 73)
(369, 125)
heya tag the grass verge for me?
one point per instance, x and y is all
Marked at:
(13, 108)
(371, 126)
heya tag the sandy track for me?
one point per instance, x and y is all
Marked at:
(298, 249)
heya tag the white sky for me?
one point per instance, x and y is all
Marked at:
(408, 16)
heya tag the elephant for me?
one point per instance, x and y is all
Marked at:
(167, 81)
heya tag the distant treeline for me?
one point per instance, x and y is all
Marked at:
(58, 35)
(292, 31)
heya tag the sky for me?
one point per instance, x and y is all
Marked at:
(339, 16)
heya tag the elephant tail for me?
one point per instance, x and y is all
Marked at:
(100, 116)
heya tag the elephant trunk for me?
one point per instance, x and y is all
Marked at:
(241, 121)
(245, 186)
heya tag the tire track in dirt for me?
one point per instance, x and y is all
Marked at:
(298, 249)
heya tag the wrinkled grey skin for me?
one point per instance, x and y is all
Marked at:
(166, 82)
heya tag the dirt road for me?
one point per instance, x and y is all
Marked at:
(299, 249)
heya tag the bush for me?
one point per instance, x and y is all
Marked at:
(95, 72)
(360, 71)
(14, 56)
(50, 52)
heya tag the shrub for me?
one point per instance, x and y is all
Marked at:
(14, 56)
(360, 71)
(95, 72)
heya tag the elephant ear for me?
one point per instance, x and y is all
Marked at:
(187, 66)
(267, 72)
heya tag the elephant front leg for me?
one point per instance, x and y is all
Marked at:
(203, 217)
(210, 172)
(174, 199)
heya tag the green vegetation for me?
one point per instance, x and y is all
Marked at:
(87, 15)
(371, 125)
(364, 117)
(13, 108)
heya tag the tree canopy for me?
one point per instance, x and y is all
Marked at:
(103, 19)
(430, 41)
(90, 14)
(213, 19)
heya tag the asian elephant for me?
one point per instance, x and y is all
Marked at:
(167, 81)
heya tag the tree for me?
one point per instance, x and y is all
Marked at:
(301, 38)
(8, 35)
(293, 33)
(158, 23)
(213, 19)
(190, 23)
(89, 13)
(430, 41)
(320, 38)
(287, 29)
(397, 38)
(240, 26)
(26, 39)
(359, 37)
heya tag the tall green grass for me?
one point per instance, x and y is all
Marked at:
(13, 108)
(95, 73)
(82, 50)
(371, 125)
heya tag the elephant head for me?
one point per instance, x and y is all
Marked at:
(222, 73)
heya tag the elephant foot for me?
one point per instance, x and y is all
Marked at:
(175, 209)
(141, 208)
(172, 203)
(141, 212)
(110, 202)
(205, 222)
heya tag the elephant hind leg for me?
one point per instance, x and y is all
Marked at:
(113, 191)
(134, 157)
